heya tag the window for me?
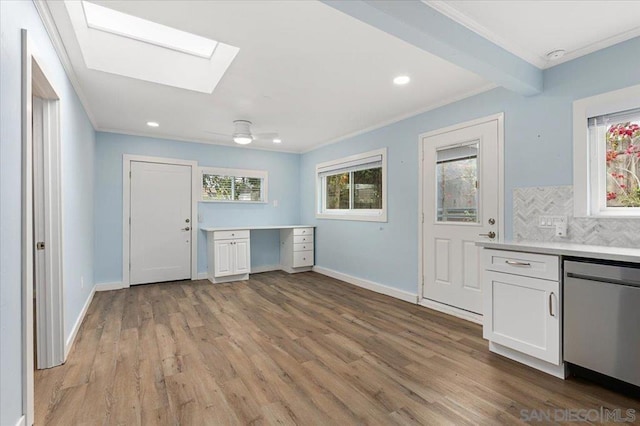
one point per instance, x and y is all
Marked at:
(457, 183)
(619, 136)
(353, 188)
(607, 154)
(230, 185)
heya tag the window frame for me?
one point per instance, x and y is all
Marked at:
(235, 173)
(588, 160)
(367, 215)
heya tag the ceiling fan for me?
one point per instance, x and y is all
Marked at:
(242, 134)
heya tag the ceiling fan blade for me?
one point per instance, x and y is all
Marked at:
(226, 135)
(265, 136)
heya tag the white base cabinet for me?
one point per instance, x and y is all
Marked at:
(229, 255)
(296, 249)
(523, 308)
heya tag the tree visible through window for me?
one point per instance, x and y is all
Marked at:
(233, 185)
(353, 188)
(623, 163)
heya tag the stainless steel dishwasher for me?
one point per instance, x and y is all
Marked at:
(602, 318)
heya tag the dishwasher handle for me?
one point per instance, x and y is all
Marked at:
(626, 281)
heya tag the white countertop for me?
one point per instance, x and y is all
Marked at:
(567, 249)
(253, 228)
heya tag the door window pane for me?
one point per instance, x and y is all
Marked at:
(337, 191)
(457, 184)
(367, 189)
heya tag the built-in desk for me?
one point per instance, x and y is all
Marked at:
(229, 250)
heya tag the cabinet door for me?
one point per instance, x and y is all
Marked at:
(223, 252)
(242, 256)
(524, 314)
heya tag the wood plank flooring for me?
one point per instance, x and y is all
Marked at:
(289, 349)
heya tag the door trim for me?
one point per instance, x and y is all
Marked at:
(126, 207)
(50, 346)
(495, 117)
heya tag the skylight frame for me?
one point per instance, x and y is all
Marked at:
(111, 21)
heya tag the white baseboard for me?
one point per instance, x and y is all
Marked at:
(21, 421)
(76, 326)
(369, 285)
(265, 268)
(203, 276)
(110, 286)
(451, 310)
(559, 371)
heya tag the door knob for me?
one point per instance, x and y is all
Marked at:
(186, 229)
(491, 235)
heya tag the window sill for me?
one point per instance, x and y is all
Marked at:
(234, 202)
(355, 217)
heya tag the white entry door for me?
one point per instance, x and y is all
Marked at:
(460, 204)
(160, 232)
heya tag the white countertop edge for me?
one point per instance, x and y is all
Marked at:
(252, 228)
(622, 254)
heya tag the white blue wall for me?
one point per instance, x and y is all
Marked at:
(283, 171)
(77, 146)
(538, 152)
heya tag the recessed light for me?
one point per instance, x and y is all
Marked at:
(554, 55)
(277, 140)
(401, 80)
(152, 124)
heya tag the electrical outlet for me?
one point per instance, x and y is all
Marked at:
(275, 203)
(551, 221)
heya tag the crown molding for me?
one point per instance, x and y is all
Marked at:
(543, 63)
(430, 107)
(598, 45)
(452, 13)
(176, 138)
(54, 35)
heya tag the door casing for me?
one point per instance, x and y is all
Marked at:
(500, 161)
(126, 209)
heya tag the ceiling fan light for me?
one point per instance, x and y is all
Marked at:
(242, 139)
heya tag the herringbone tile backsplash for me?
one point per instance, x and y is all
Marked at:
(530, 203)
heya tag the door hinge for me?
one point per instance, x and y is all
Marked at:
(129, 174)
(40, 245)
(422, 217)
(129, 220)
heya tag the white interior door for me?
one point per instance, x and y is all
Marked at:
(160, 237)
(460, 206)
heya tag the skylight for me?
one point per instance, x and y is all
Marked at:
(118, 23)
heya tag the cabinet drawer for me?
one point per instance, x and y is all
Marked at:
(303, 247)
(302, 258)
(302, 231)
(533, 265)
(229, 235)
(299, 239)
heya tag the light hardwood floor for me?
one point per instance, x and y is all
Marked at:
(289, 349)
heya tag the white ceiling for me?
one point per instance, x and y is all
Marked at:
(316, 75)
(532, 28)
(304, 70)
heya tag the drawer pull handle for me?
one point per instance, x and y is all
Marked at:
(519, 264)
(551, 304)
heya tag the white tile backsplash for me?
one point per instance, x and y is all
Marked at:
(530, 203)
